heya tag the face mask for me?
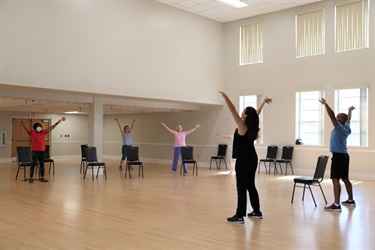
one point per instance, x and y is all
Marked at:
(38, 129)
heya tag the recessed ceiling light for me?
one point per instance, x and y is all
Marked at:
(234, 3)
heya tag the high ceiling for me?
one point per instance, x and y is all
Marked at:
(213, 9)
(221, 12)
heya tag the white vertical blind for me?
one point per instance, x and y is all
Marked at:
(251, 43)
(352, 26)
(310, 33)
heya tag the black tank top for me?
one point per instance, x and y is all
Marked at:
(242, 146)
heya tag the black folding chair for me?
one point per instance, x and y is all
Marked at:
(132, 158)
(24, 160)
(187, 158)
(307, 182)
(270, 159)
(92, 161)
(221, 156)
(286, 158)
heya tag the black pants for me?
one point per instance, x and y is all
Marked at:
(245, 176)
(37, 156)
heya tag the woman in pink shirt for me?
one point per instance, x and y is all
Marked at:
(179, 141)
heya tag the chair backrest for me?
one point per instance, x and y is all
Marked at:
(132, 153)
(287, 153)
(321, 167)
(83, 151)
(187, 153)
(222, 150)
(46, 153)
(271, 152)
(90, 153)
(24, 154)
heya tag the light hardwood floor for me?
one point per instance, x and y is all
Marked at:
(167, 211)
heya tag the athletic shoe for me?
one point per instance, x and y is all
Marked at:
(333, 208)
(31, 180)
(173, 172)
(348, 203)
(43, 180)
(120, 167)
(236, 219)
(256, 215)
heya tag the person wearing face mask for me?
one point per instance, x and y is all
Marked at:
(179, 141)
(38, 146)
(340, 157)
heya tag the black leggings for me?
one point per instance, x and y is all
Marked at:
(37, 156)
(245, 177)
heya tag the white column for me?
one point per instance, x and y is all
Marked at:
(95, 126)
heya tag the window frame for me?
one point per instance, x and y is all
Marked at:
(255, 46)
(299, 124)
(312, 41)
(365, 26)
(363, 133)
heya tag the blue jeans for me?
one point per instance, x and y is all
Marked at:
(176, 155)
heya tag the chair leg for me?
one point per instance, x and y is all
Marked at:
(312, 195)
(294, 187)
(17, 172)
(196, 166)
(217, 166)
(126, 170)
(281, 170)
(210, 163)
(323, 193)
(85, 172)
(303, 194)
(225, 162)
(97, 172)
(130, 174)
(291, 167)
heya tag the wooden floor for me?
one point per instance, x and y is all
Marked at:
(167, 211)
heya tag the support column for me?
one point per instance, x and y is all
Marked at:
(95, 126)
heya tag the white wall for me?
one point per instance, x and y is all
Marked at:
(279, 77)
(125, 48)
(282, 75)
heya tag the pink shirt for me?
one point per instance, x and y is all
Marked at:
(179, 139)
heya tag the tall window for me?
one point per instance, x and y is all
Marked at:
(309, 117)
(310, 33)
(344, 98)
(352, 26)
(253, 101)
(251, 43)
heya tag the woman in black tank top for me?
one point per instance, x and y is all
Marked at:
(247, 160)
